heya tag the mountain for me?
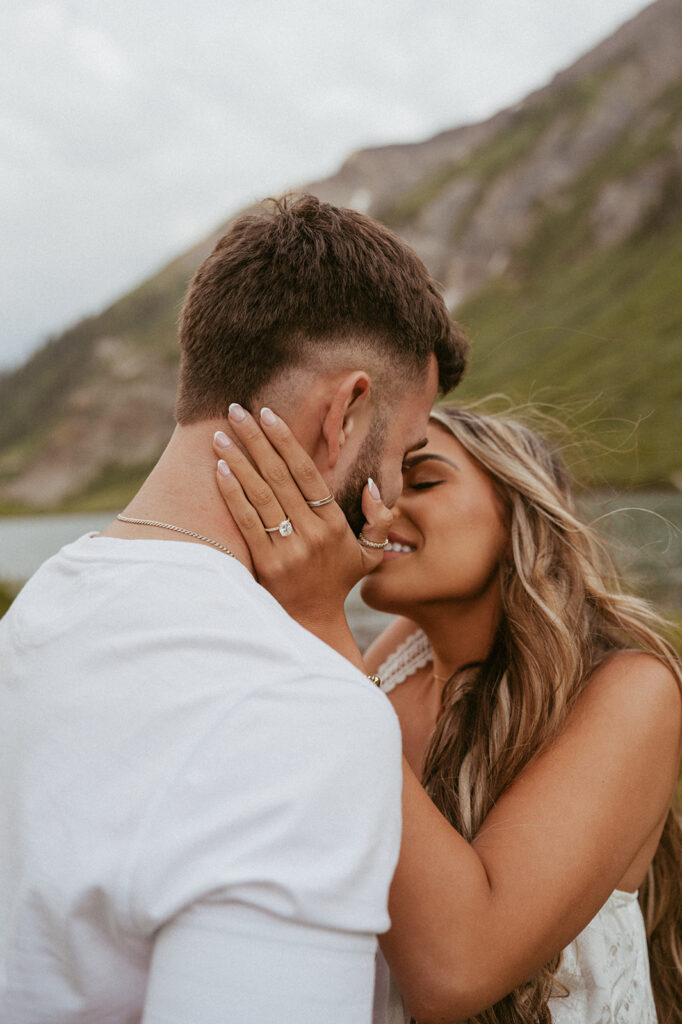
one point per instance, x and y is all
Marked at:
(555, 228)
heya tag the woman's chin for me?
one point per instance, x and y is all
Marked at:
(376, 595)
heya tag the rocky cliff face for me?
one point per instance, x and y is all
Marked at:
(525, 212)
(483, 191)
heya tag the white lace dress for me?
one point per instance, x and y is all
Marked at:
(605, 969)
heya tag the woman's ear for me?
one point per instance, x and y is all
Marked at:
(346, 411)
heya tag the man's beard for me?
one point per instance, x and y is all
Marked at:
(349, 497)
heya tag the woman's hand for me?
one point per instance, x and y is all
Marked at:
(311, 569)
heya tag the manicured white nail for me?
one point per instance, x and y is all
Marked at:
(237, 413)
(373, 489)
(224, 469)
(268, 417)
(221, 439)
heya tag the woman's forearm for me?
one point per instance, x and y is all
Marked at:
(423, 946)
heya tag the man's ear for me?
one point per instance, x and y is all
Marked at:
(347, 410)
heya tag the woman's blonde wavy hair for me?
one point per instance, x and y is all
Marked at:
(563, 612)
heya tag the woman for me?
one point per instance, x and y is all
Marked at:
(541, 710)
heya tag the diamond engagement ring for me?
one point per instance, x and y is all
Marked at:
(284, 528)
(320, 502)
(370, 543)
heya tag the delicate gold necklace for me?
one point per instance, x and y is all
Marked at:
(442, 679)
(177, 529)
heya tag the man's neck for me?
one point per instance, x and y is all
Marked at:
(182, 491)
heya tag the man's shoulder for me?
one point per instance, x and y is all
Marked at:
(174, 612)
(143, 584)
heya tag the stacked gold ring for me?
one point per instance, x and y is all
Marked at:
(370, 543)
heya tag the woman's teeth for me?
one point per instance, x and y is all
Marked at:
(393, 546)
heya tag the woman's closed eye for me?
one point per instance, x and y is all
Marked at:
(421, 485)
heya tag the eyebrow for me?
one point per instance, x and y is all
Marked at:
(415, 460)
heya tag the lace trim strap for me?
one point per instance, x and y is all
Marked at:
(410, 655)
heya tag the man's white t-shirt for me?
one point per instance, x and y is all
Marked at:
(200, 801)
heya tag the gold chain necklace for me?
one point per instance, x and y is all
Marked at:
(176, 529)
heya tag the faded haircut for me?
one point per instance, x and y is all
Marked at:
(296, 282)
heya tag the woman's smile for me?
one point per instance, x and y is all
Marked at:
(397, 546)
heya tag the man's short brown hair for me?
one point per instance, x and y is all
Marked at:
(297, 279)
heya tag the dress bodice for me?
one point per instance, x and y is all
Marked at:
(606, 969)
(603, 977)
(409, 656)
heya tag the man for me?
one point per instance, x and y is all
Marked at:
(199, 814)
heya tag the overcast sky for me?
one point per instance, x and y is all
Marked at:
(129, 129)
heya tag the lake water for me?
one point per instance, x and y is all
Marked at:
(644, 529)
(26, 541)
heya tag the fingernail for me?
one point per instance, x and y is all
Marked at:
(224, 469)
(221, 439)
(373, 489)
(268, 417)
(237, 413)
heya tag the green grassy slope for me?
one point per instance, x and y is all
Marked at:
(601, 327)
(605, 331)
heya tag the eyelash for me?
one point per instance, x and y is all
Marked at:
(424, 485)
